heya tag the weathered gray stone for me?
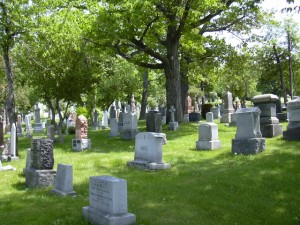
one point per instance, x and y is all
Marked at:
(114, 129)
(228, 108)
(64, 181)
(108, 202)
(148, 151)
(208, 137)
(293, 129)
(81, 144)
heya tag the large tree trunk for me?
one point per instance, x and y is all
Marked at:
(144, 95)
(278, 61)
(10, 101)
(173, 81)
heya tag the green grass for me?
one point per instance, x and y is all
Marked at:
(202, 187)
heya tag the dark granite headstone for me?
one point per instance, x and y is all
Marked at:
(194, 117)
(42, 154)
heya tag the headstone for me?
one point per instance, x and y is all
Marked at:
(132, 105)
(41, 173)
(19, 126)
(293, 129)
(269, 124)
(173, 125)
(114, 129)
(104, 119)
(216, 112)
(81, 140)
(108, 202)
(1, 133)
(232, 120)
(27, 120)
(96, 120)
(148, 151)
(162, 110)
(51, 132)
(113, 112)
(37, 126)
(153, 121)
(248, 138)
(228, 108)
(209, 117)
(282, 116)
(28, 160)
(208, 137)
(13, 143)
(64, 181)
(130, 124)
(73, 118)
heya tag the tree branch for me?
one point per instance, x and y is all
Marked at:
(148, 27)
(183, 18)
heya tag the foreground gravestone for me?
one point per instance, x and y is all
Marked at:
(173, 125)
(248, 138)
(148, 151)
(208, 138)
(293, 129)
(130, 123)
(41, 173)
(228, 109)
(64, 181)
(108, 202)
(81, 140)
(269, 123)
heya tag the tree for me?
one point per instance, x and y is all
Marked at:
(14, 18)
(150, 33)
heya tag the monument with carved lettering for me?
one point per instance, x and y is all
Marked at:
(40, 173)
(108, 202)
(248, 138)
(81, 140)
(148, 151)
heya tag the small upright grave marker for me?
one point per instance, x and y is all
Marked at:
(64, 180)
(108, 202)
(148, 151)
(173, 125)
(228, 108)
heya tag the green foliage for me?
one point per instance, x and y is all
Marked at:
(71, 130)
(82, 111)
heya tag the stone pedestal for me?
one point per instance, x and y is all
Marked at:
(81, 144)
(293, 129)
(248, 138)
(208, 137)
(108, 202)
(269, 124)
(39, 178)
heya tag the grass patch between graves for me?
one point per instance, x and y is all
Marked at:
(202, 187)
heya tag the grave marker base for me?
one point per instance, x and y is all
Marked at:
(81, 144)
(208, 145)
(144, 165)
(173, 125)
(97, 217)
(248, 146)
(61, 193)
(271, 130)
(39, 178)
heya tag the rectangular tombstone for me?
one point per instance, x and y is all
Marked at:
(114, 129)
(108, 202)
(64, 180)
(209, 117)
(148, 151)
(208, 137)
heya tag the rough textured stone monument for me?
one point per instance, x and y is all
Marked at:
(269, 124)
(154, 121)
(64, 181)
(248, 138)
(108, 202)
(81, 140)
(173, 125)
(40, 173)
(228, 108)
(148, 151)
(293, 129)
(130, 123)
(208, 138)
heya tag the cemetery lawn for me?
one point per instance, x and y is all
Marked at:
(202, 187)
